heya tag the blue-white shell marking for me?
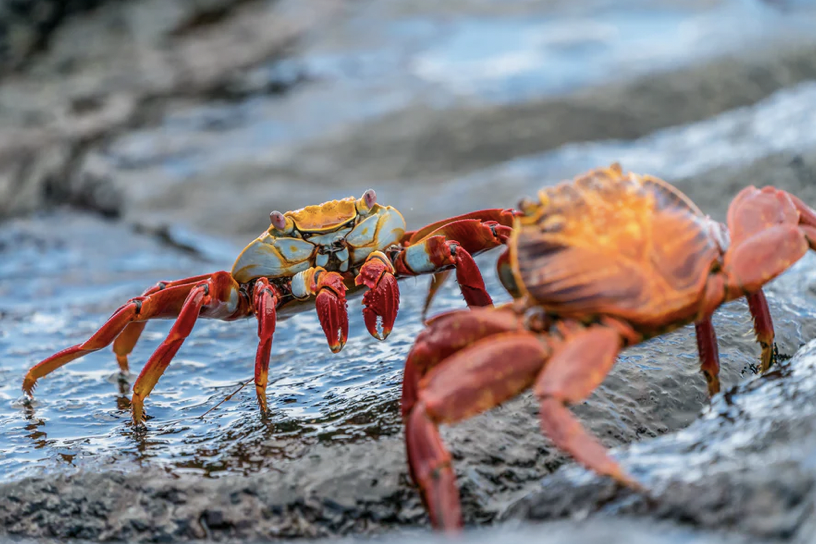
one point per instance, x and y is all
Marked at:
(275, 254)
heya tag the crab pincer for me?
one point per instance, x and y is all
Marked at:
(381, 301)
(331, 308)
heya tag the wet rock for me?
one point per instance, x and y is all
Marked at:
(746, 465)
(27, 26)
(331, 458)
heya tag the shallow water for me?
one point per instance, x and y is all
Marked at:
(57, 288)
(58, 285)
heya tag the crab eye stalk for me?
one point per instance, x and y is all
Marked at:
(278, 221)
(527, 206)
(367, 201)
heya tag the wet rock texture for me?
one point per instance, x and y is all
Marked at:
(208, 114)
(745, 465)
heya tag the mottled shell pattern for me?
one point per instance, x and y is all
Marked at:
(614, 244)
(337, 235)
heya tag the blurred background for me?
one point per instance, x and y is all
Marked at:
(148, 140)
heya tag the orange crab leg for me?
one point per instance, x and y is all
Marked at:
(265, 298)
(572, 373)
(213, 292)
(763, 327)
(381, 301)
(104, 336)
(198, 297)
(468, 382)
(161, 302)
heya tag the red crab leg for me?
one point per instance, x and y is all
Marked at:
(161, 304)
(382, 298)
(219, 289)
(436, 254)
(709, 354)
(572, 373)
(265, 298)
(452, 243)
(468, 382)
(446, 334)
(125, 342)
(502, 217)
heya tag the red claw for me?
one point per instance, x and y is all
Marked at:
(331, 309)
(381, 301)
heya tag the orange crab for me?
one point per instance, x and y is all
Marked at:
(596, 265)
(315, 254)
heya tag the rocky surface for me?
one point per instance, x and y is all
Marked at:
(189, 121)
(746, 465)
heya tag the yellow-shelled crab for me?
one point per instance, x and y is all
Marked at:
(315, 254)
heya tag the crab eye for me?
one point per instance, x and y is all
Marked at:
(527, 205)
(278, 220)
(370, 198)
(367, 201)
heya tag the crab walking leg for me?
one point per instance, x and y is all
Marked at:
(763, 327)
(470, 381)
(127, 339)
(572, 373)
(446, 334)
(265, 298)
(164, 303)
(199, 296)
(382, 298)
(220, 297)
(436, 254)
(452, 243)
(709, 354)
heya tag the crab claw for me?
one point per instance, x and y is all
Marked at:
(331, 309)
(381, 301)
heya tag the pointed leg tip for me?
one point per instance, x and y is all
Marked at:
(627, 481)
(260, 393)
(29, 384)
